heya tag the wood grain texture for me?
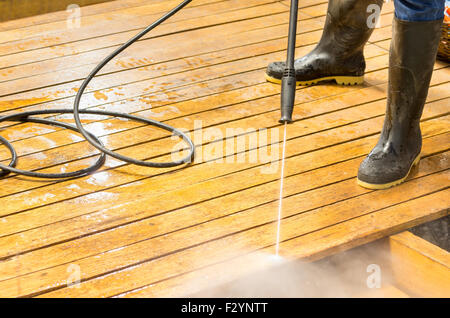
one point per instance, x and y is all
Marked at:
(419, 267)
(16, 9)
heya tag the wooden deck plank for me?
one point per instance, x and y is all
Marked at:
(139, 60)
(158, 223)
(68, 90)
(154, 270)
(373, 109)
(13, 133)
(145, 251)
(335, 237)
(91, 22)
(71, 186)
(237, 221)
(132, 126)
(69, 183)
(85, 41)
(306, 97)
(266, 90)
(79, 45)
(178, 99)
(160, 98)
(136, 54)
(62, 15)
(88, 48)
(25, 102)
(303, 128)
(420, 267)
(27, 44)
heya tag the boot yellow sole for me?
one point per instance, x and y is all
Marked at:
(341, 80)
(375, 186)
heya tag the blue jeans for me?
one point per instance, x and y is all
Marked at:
(419, 10)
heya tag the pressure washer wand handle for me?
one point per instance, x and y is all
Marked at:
(288, 82)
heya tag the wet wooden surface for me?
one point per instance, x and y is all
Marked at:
(16, 9)
(135, 231)
(420, 267)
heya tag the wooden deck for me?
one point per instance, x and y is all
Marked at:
(142, 232)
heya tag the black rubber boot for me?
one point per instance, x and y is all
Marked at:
(339, 54)
(411, 60)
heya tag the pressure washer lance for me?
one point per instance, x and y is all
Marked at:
(288, 82)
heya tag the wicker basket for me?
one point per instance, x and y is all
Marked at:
(444, 44)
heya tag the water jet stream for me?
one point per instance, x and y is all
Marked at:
(280, 200)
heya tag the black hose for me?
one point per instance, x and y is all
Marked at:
(23, 117)
(93, 140)
(13, 152)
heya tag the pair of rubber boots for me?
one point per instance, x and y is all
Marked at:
(339, 57)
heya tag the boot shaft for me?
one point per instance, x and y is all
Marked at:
(349, 24)
(411, 59)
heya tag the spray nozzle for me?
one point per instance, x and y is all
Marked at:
(288, 84)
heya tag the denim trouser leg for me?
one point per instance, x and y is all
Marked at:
(419, 10)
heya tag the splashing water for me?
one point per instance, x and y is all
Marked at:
(280, 200)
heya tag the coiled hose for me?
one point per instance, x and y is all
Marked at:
(93, 140)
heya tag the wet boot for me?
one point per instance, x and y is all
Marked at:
(339, 54)
(411, 60)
